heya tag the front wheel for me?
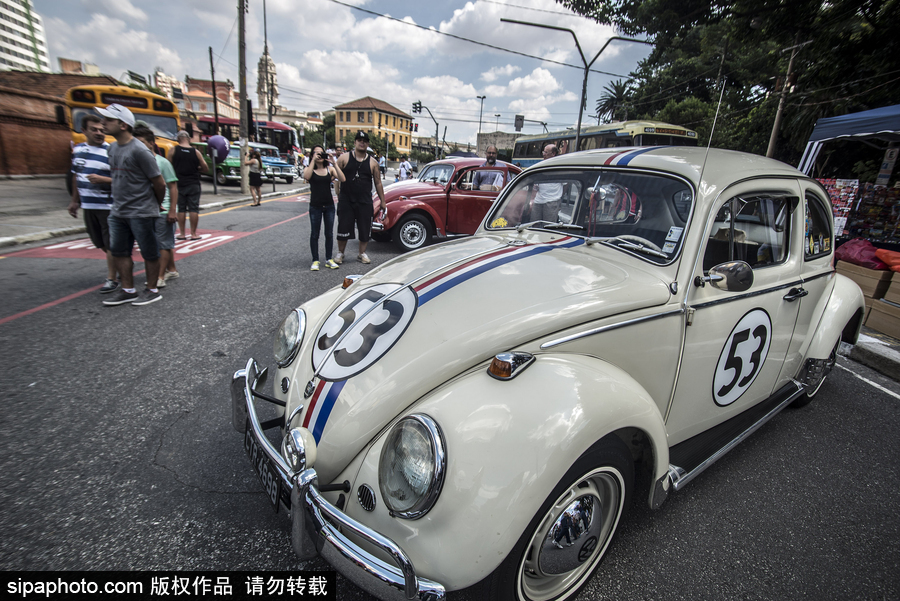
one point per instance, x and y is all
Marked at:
(412, 232)
(220, 178)
(289, 180)
(568, 538)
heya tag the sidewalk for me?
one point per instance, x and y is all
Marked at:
(34, 209)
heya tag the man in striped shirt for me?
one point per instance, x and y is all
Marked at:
(91, 191)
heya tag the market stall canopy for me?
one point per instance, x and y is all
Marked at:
(879, 124)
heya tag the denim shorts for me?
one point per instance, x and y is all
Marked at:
(123, 232)
(165, 233)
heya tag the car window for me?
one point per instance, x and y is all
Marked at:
(618, 207)
(817, 240)
(484, 180)
(234, 153)
(440, 174)
(750, 229)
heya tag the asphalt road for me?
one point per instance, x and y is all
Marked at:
(118, 452)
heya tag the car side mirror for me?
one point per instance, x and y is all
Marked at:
(734, 276)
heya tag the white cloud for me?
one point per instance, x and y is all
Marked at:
(537, 83)
(496, 72)
(134, 50)
(119, 8)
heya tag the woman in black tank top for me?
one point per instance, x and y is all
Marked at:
(320, 174)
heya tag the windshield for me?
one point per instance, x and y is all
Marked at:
(637, 212)
(440, 174)
(164, 127)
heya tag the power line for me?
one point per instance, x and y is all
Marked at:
(233, 25)
(540, 10)
(456, 37)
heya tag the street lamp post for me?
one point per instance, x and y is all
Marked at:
(480, 112)
(587, 65)
(497, 124)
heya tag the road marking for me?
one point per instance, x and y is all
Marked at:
(868, 381)
(80, 247)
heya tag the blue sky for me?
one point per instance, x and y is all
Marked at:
(327, 53)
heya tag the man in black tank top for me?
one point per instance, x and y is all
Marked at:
(188, 164)
(355, 197)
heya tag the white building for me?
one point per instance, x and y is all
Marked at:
(23, 45)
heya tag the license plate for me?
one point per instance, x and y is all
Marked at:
(263, 467)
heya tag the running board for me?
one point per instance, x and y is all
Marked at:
(690, 458)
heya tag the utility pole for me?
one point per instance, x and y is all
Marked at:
(268, 73)
(481, 111)
(212, 74)
(242, 79)
(773, 139)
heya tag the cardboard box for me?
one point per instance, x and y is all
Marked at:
(874, 283)
(885, 318)
(893, 293)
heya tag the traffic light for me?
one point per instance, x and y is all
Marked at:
(520, 121)
(417, 106)
(416, 125)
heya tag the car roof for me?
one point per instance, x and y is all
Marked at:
(468, 162)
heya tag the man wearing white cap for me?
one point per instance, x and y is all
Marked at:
(138, 190)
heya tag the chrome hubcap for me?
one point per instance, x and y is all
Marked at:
(573, 536)
(412, 234)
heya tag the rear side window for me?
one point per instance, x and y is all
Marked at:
(818, 239)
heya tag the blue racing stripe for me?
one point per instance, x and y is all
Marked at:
(627, 158)
(487, 266)
(327, 406)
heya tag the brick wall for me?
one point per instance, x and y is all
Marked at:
(31, 142)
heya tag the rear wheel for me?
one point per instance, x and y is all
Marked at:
(813, 387)
(413, 232)
(568, 538)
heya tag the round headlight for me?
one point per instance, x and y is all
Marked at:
(412, 466)
(289, 337)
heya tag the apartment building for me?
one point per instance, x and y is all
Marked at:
(377, 118)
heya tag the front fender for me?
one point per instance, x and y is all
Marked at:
(508, 444)
(841, 319)
(397, 209)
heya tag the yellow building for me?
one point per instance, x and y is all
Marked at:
(377, 118)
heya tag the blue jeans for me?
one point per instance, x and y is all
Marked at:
(316, 215)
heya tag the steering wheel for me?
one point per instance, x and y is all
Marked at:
(639, 240)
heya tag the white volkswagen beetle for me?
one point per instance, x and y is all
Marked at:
(479, 412)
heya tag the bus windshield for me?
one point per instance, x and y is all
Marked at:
(166, 127)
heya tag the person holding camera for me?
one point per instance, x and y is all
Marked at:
(254, 160)
(320, 173)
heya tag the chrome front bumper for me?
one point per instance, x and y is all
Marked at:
(318, 526)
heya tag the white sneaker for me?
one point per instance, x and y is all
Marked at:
(339, 258)
(331, 264)
(315, 266)
(364, 258)
(161, 283)
(171, 275)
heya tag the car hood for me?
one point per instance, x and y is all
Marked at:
(412, 187)
(277, 162)
(449, 308)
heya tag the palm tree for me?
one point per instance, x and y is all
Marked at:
(613, 104)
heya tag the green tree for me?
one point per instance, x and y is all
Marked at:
(613, 104)
(313, 138)
(847, 60)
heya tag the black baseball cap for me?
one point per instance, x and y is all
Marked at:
(361, 135)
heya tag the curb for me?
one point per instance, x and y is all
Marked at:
(877, 355)
(71, 231)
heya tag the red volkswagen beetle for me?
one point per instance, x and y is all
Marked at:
(449, 198)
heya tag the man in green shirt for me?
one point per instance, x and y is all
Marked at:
(165, 223)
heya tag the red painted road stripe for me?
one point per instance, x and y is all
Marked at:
(93, 288)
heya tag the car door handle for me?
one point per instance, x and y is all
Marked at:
(795, 293)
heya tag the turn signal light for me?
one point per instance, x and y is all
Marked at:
(348, 281)
(506, 366)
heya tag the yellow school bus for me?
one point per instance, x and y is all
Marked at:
(158, 112)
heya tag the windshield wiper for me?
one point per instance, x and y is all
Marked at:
(559, 225)
(629, 245)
